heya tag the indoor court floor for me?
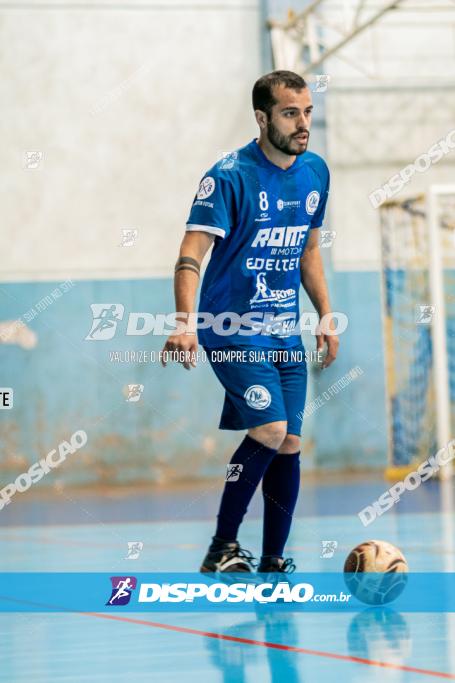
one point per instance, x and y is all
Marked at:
(370, 645)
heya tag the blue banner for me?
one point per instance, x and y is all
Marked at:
(178, 592)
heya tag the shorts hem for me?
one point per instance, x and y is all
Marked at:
(225, 427)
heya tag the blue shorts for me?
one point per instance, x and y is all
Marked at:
(262, 385)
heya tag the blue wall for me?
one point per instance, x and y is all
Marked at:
(66, 383)
(350, 430)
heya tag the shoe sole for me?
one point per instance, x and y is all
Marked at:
(206, 570)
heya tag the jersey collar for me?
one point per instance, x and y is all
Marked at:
(269, 164)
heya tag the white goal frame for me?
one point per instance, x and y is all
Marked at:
(438, 324)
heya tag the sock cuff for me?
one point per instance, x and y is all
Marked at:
(290, 455)
(252, 443)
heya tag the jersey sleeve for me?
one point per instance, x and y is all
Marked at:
(319, 214)
(213, 206)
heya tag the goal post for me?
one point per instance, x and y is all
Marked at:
(418, 296)
(441, 231)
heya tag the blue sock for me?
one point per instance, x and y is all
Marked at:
(240, 487)
(280, 489)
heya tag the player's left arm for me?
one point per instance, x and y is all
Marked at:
(313, 280)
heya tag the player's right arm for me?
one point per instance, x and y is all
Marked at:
(194, 247)
(212, 215)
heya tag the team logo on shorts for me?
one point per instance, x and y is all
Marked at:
(312, 202)
(257, 397)
(206, 188)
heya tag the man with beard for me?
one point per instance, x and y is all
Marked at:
(260, 207)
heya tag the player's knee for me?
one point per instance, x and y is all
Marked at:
(271, 434)
(291, 444)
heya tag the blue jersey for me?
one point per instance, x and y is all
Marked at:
(261, 216)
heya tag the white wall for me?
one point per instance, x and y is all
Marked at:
(391, 96)
(129, 104)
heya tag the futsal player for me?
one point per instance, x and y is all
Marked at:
(260, 207)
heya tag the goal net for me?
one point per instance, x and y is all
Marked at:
(418, 286)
